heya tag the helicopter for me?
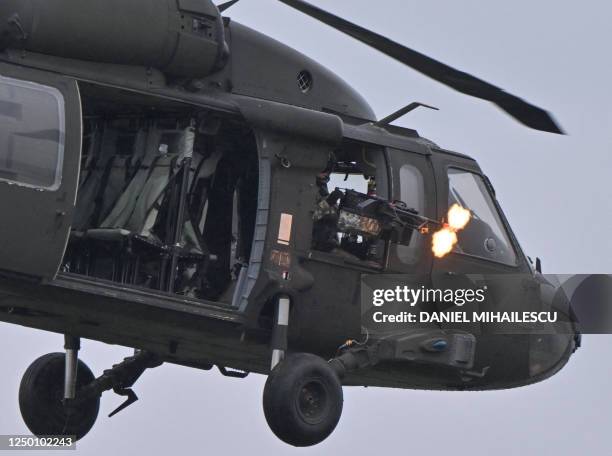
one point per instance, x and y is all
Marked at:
(164, 180)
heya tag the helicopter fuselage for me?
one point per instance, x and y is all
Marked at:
(299, 115)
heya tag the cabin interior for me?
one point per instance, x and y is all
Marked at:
(167, 196)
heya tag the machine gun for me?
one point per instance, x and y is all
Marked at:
(374, 217)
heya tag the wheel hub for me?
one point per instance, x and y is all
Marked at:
(312, 401)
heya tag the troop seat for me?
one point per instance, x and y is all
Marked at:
(128, 232)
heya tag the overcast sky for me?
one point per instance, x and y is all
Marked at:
(555, 191)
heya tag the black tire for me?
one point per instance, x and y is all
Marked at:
(40, 399)
(302, 400)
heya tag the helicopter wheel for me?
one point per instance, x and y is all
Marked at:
(41, 396)
(302, 400)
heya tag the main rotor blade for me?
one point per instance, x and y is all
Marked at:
(524, 112)
(223, 6)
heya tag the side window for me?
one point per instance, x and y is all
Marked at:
(31, 134)
(412, 189)
(412, 192)
(343, 181)
(485, 236)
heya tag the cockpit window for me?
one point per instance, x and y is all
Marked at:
(485, 236)
(31, 134)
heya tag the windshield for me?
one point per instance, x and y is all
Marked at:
(485, 236)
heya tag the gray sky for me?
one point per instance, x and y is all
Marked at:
(555, 191)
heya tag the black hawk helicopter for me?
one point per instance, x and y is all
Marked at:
(163, 185)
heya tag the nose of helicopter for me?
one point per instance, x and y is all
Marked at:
(550, 351)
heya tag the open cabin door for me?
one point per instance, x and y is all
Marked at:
(40, 149)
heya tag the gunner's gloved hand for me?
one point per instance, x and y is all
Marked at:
(333, 198)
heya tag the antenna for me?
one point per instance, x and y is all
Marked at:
(405, 110)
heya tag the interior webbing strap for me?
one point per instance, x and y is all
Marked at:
(125, 205)
(90, 189)
(92, 153)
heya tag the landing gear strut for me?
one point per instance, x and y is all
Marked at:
(120, 379)
(279, 335)
(72, 346)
